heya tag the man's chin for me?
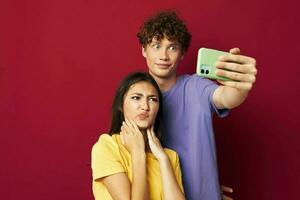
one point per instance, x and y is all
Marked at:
(163, 74)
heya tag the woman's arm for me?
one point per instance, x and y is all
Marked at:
(119, 187)
(171, 187)
(139, 181)
(170, 184)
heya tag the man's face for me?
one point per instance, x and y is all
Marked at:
(162, 58)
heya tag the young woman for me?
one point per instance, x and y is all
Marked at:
(129, 162)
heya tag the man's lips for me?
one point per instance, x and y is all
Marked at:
(163, 65)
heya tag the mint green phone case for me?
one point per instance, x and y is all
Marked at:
(206, 61)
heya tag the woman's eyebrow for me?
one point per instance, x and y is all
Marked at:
(152, 95)
(140, 94)
(137, 93)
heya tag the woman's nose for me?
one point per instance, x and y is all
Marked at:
(145, 105)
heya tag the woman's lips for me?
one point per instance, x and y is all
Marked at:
(143, 116)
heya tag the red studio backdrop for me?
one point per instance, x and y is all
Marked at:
(61, 61)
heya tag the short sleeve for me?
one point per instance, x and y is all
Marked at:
(207, 88)
(105, 158)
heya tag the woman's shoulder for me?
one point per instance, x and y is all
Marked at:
(108, 137)
(106, 140)
(171, 153)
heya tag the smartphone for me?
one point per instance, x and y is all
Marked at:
(206, 62)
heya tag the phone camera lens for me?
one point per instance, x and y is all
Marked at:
(202, 71)
(206, 72)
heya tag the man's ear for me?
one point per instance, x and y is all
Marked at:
(182, 55)
(144, 52)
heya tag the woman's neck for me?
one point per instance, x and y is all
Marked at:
(147, 147)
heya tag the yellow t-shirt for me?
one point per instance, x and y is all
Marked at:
(109, 157)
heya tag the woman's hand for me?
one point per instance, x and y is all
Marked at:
(155, 145)
(132, 138)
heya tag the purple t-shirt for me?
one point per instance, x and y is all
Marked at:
(188, 110)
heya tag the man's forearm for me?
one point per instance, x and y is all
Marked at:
(228, 97)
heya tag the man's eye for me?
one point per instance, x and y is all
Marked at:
(156, 46)
(173, 48)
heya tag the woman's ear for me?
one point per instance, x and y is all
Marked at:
(120, 109)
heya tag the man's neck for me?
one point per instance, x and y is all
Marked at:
(165, 84)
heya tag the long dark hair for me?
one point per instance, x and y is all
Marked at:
(117, 107)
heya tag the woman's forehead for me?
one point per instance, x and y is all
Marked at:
(142, 87)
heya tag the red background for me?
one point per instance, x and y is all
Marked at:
(61, 61)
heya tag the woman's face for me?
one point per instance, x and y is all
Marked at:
(141, 104)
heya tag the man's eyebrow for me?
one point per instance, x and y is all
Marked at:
(155, 41)
(175, 43)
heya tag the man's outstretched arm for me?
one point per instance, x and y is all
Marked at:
(231, 94)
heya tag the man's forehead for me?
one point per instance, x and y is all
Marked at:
(164, 39)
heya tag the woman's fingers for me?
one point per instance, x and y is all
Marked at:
(152, 132)
(150, 139)
(125, 128)
(136, 128)
(129, 126)
(122, 137)
(153, 136)
(132, 126)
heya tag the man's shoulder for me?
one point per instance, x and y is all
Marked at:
(193, 81)
(186, 78)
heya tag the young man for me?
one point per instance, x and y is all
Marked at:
(190, 100)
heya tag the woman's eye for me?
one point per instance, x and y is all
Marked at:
(135, 97)
(153, 99)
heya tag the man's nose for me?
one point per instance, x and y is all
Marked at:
(164, 55)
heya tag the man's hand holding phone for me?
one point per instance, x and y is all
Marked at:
(241, 70)
(230, 69)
